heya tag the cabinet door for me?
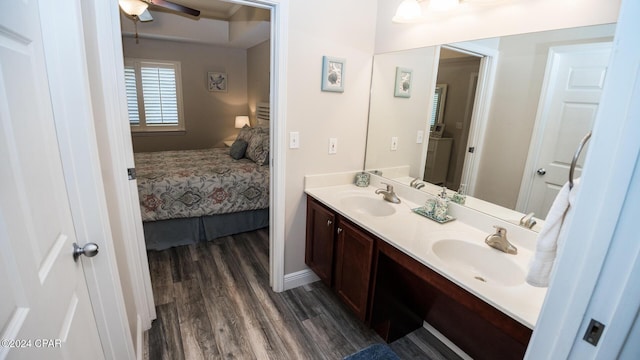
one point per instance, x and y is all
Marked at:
(320, 240)
(353, 267)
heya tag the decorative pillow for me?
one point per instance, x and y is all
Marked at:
(238, 149)
(246, 133)
(258, 148)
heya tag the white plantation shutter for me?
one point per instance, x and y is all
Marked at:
(434, 110)
(160, 98)
(153, 95)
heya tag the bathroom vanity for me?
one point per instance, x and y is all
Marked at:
(395, 269)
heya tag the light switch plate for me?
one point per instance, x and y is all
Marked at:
(294, 140)
(333, 146)
(420, 137)
(394, 143)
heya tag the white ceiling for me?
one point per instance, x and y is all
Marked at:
(220, 23)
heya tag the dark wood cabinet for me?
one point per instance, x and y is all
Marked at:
(394, 293)
(354, 255)
(320, 241)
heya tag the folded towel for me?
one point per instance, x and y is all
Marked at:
(547, 242)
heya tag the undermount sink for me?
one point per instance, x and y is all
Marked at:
(481, 262)
(371, 206)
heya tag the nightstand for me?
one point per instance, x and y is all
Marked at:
(228, 143)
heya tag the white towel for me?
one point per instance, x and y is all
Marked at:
(547, 242)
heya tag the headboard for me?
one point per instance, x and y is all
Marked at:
(263, 114)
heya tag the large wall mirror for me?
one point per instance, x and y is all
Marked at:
(492, 117)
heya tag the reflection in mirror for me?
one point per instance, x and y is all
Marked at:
(508, 123)
(437, 110)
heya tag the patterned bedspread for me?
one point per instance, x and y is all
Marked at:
(191, 183)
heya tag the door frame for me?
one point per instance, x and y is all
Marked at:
(535, 147)
(481, 107)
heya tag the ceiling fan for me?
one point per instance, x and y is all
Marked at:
(138, 8)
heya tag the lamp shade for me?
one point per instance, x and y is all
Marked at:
(408, 11)
(241, 121)
(133, 7)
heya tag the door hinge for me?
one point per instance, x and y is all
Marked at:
(131, 173)
(472, 149)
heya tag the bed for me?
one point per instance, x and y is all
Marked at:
(190, 196)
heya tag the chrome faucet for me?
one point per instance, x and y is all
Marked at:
(388, 195)
(415, 183)
(499, 241)
(528, 221)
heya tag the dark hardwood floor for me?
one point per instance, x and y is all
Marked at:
(213, 301)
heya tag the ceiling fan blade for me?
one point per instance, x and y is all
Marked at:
(176, 7)
(145, 16)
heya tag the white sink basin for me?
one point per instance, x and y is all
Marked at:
(368, 205)
(479, 261)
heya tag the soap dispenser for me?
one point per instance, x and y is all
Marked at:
(459, 197)
(442, 206)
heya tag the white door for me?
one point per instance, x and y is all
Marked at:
(574, 78)
(45, 312)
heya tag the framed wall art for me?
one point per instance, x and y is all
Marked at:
(403, 82)
(333, 74)
(217, 81)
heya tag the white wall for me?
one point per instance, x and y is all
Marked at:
(344, 29)
(401, 117)
(473, 21)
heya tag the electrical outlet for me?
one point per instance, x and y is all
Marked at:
(394, 143)
(333, 146)
(420, 137)
(294, 140)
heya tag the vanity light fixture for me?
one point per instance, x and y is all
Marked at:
(133, 7)
(408, 11)
(241, 121)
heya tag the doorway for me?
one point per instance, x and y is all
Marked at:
(276, 189)
(458, 74)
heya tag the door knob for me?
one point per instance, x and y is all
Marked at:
(541, 171)
(88, 250)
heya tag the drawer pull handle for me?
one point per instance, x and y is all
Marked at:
(329, 222)
(339, 230)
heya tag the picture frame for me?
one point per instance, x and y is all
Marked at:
(403, 82)
(437, 130)
(217, 81)
(333, 70)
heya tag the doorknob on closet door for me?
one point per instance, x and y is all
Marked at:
(541, 171)
(88, 250)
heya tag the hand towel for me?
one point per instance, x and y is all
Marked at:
(547, 241)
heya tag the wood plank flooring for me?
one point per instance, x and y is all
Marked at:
(213, 301)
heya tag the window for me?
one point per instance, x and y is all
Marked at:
(439, 98)
(154, 97)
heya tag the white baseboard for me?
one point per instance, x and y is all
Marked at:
(299, 278)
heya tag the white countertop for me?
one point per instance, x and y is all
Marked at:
(414, 235)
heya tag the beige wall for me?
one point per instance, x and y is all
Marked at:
(258, 70)
(209, 116)
(400, 117)
(456, 73)
(337, 28)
